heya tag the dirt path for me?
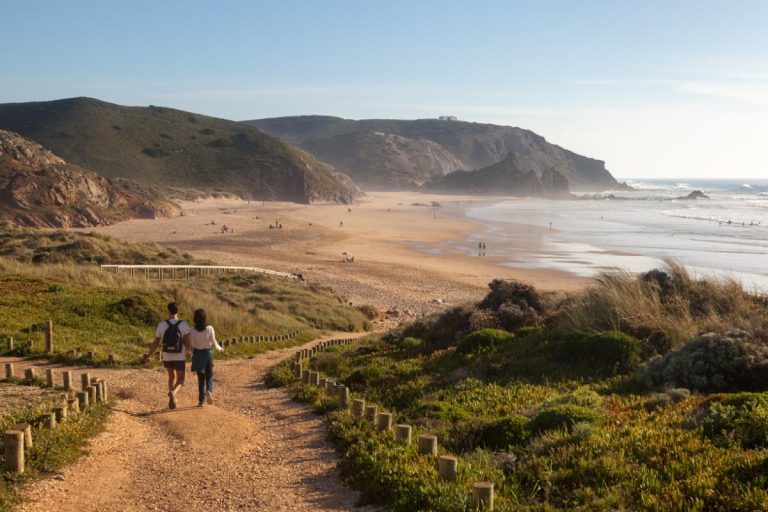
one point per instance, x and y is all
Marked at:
(254, 449)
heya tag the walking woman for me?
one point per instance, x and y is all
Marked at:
(202, 339)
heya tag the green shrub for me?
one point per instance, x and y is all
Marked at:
(279, 376)
(742, 417)
(582, 396)
(331, 363)
(410, 343)
(504, 432)
(711, 362)
(482, 339)
(440, 410)
(512, 292)
(563, 417)
(608, 353)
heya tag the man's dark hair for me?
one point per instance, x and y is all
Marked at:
(173, 308)
(201, 322)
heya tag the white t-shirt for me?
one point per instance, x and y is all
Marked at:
(183, 329)
(203, 339)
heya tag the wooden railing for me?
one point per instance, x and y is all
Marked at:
(161, 272)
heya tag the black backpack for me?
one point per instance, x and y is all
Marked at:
(172, 338)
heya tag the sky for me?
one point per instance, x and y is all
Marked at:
(656, 88)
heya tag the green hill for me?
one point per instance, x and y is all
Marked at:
(172, 149)
(475, 145)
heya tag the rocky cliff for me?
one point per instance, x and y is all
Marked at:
(475, 145)
(40, 189)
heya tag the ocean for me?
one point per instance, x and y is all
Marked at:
(724, 235)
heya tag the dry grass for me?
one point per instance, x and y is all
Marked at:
(664, 308)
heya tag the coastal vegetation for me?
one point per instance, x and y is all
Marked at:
(52, 275)
(651, 401)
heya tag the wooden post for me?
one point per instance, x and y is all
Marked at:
(85, 380)
(99, 391)
(14, 451)
(10, 344)
(74, 405)
(49, 377)
(305, 376)
(314, 378)
(427, 445)
(29, 374)
(91, 390)
(329, 384)
(67, 380)
(446, 466)
(49, 420)
(49, 337)
(111, 359)
(26, 429)
(403, 434)
(384, 421)
(8, 370)
(321, 382)
(370, 412)
(343, 395)
(358, 407)
(82, 400)
(61, 413)
(92, 355)
(482, 495)
(104, 390)
(297, 370)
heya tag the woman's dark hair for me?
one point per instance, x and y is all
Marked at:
(201, 322)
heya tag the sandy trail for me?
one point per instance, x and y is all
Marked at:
(254, 449)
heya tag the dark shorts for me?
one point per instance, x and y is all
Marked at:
(179, 366)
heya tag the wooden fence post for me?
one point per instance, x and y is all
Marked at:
(314, 378)
(447, 466)
(67, 380)
(61, 413)
(14, 451)
(403, 434)
(482, 495)
(49, 337)
(49, 377)
(370, 412)
(85, 380)
(74, 405)
(26, 429)
(305, 376)
(384, 421)
(49, 420)
(29, 374)
(8, 370)
(427, 445)
(91, 390)
(343, 395)
(10, 344)
(358, 407)
(82, 399)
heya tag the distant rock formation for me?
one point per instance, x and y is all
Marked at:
(40, 189)
(696, 194)
(398, 163)
(508, 177)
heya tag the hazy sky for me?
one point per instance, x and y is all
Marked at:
(655, 88)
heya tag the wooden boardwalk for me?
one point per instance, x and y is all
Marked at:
(165, 272)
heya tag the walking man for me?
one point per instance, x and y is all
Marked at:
(172, 333)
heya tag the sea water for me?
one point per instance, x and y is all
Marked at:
(726, 234)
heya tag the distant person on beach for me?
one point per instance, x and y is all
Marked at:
(202, 339)
(172, 333)
(341, 224)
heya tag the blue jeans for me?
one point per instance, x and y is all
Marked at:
(202, 364)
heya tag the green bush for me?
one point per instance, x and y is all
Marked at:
(608, 353)
(410, 343)
(331, 363)
(711, 362)
(563, 417)
(504, 432)
(742, 417)
(482, 339)
(279, 376)
(440, 410)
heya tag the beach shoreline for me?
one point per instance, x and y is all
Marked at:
(408, 254)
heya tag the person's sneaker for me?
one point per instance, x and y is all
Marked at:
(171, 400)
(201, 404)
(209, 397)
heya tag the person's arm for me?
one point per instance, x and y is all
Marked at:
(215, 343)
(187, 344)
(152, 349)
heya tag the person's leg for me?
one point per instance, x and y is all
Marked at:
(209, 380)
(200, 387)
(171, 378)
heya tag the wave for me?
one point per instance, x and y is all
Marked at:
(746, 185)
(734, 218)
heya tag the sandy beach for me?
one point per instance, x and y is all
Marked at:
(407, 253)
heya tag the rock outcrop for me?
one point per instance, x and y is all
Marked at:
(40, 189)
(508, 177)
